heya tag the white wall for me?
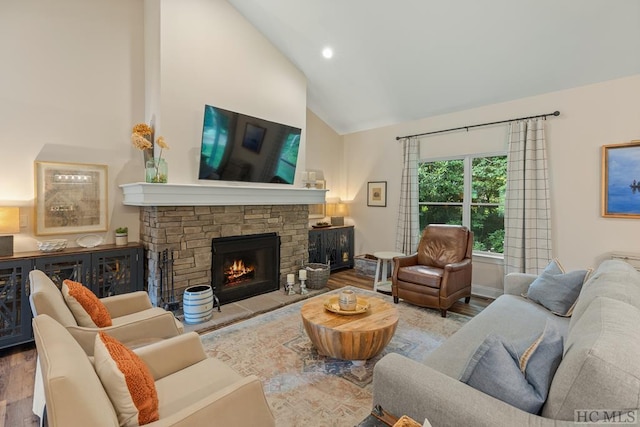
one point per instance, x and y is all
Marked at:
(209, 54)
(78, 74)
(325, 152)
(71, 86)
(591, 116)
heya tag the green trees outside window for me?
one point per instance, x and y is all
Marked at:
(468, 191)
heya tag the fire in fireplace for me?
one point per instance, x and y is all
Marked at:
(245, 266)
(238, 272)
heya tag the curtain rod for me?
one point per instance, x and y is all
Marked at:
(555, 113)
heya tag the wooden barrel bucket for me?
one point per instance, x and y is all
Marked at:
(197, 304)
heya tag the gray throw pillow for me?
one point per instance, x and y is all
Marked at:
(517, 373)
(556, 290)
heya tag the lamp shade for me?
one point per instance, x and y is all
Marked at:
(337, 209)
(342, 209)
(337, 212)
(9, 220)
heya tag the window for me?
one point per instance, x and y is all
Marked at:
(468, 191)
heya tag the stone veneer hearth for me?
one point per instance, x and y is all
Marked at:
(188, 230)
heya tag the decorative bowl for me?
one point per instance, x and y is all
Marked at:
(332, 304)
(52, 245)
(321, 225)
(89, 241)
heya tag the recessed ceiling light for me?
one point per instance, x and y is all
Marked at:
(327, 52)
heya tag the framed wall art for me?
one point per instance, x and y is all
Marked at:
(253, 137)
(318, 210)
(377, 193)
(621, 180)
(70, 198)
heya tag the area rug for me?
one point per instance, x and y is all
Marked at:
(306, 389)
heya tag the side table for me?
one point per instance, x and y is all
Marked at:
(381, 282)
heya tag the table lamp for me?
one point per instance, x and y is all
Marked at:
(9, 224)
(337, 212)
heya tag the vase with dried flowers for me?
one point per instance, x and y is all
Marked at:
(156, 169)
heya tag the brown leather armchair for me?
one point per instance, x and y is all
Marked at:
(439, 274)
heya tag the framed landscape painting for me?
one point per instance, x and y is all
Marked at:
(621, 180)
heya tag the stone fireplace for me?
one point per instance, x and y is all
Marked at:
(188, 232)
(185, 219)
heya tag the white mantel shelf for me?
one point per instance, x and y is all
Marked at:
(148, 194)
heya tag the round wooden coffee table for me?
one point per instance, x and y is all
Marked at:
(355, 337)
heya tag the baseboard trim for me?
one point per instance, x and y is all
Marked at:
(486, 291)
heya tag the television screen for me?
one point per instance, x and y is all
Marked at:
(237, 147)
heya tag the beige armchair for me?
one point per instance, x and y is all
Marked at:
(439, 274)
(192, 390)
(135, 321)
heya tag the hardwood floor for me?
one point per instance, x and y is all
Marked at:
(17, 370)
(17, 365)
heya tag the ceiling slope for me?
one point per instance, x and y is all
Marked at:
(404, 60)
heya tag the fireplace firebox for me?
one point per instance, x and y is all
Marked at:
(245, 266)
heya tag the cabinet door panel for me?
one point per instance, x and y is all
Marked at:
(345, 247)
(72, 267)
(331, 242)
(316, 253)
(15, 313)
(115, 272)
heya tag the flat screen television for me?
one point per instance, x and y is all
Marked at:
(237, 147)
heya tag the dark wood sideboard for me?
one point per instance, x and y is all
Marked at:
(106, 270)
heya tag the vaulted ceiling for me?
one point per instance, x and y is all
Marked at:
(402, 60)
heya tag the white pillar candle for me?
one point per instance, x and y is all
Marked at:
(312, 177)
(291, 278)
(305, 176)
(302, 274)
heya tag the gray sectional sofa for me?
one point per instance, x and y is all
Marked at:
(598, 374)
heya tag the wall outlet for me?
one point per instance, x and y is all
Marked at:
(24, 221)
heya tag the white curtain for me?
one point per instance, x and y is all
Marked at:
(527, 216)
(407, 234)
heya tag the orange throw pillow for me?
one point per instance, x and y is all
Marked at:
(127, 381)
(85, 305)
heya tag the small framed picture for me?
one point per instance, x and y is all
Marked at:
(70, 198)
(253, 137)
(621, 180)
(377, 193)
